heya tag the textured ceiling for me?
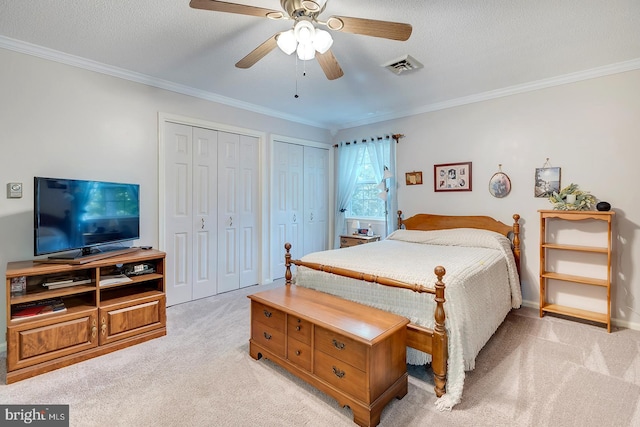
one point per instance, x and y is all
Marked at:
(469, 49)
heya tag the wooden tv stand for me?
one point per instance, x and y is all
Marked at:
(354, 353)
(96, 320)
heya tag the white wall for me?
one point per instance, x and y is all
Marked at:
(61, 121)
(590, 129)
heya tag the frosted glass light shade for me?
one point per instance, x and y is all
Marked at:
(322, 41)
(287, 42)
(306, 51)
(304, 31)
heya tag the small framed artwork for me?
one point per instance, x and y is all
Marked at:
(414, 178)
(499, 185)
(452, 177)
(546, 182)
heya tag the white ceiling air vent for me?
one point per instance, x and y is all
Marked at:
(403, 64)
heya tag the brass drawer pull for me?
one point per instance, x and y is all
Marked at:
(337, 344)
(338, 373)
(267, 313)
(267, 336)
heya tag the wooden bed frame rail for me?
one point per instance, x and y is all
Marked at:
(431, 341)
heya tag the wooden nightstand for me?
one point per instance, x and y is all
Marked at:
(356, 239)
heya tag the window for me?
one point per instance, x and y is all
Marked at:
(365, 202)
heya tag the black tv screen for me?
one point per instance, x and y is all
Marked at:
(77, 214)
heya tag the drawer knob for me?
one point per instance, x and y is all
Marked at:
(267, 336)
(337, 344)
(338, 373)
(267, 313)
(298, 328)
(297, 352)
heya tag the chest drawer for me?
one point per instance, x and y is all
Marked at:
(299, 353)
(268, 337)
(299, 329)
(342, 375)
(341, 347)
(268, 316)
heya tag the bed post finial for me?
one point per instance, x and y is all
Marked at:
(516, 240)
(399, 220)
(439, 365)
(287, 264)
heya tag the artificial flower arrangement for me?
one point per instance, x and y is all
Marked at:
(577, 199)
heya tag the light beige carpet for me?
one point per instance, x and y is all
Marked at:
(533, 372)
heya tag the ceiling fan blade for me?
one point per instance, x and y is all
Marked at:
(370, 27)
(329, 65)
(258, 53)
(223, 6)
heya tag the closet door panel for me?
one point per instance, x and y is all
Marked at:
(287, 204)
(248, 210)
(178, 211)
(316, 199)
(228, 218)
(205, 158)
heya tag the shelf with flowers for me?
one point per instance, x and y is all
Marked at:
(571, 198)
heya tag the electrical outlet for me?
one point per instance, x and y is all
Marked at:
(14, 190)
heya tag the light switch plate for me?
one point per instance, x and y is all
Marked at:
(14, 190)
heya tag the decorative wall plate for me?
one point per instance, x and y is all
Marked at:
(499, 185)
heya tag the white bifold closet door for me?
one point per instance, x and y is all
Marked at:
(191, 162)
(237, 211)
(316, 199)
(300, 201)
(211, 211)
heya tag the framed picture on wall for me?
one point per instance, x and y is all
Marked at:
(546, 182)
(414, 178)
(452, 177)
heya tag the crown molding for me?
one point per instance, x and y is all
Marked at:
(579, 76)
(87, 64)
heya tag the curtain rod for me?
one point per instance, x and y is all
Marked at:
(396, 137)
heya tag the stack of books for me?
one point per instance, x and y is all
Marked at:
(38, 308)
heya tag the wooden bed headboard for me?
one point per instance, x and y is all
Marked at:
(428, 222)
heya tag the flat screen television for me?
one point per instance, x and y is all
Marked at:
(83, 216)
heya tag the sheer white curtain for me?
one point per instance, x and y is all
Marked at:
(348, 154)
(382, 152)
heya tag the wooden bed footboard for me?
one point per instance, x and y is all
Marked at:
(431, 341)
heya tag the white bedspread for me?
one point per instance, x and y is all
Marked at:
(481, 280)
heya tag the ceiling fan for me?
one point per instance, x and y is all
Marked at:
(304, 38)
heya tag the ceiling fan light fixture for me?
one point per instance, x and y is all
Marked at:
(287, 42)
(322, 41)
(306, 51)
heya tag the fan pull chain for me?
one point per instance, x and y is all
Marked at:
(296, 95)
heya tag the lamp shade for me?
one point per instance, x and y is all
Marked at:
(322, 41)
(306, 51)
(387, 173)
(287, 42)
(304, 31)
